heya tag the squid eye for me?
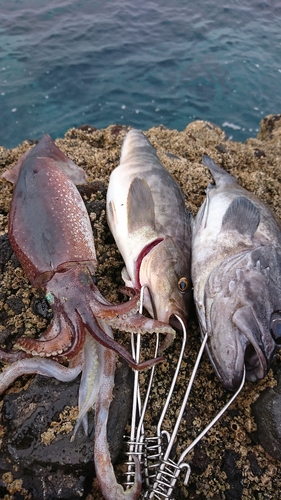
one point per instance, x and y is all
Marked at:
(95, 279)
(183, 285)
(275, 326)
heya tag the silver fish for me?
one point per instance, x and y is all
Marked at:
(236, 273)
(147, 216)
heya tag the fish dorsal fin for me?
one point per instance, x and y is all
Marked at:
(221, 177)
(140, 205)
(242, 216)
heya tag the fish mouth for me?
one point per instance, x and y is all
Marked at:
(249, 358)
(242, 346)
(255, 369)
(175, 322)
(253, 356)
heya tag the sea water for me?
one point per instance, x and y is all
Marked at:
(65, 63)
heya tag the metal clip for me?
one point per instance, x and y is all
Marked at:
(137, 441)
(160, 472)
(168, 470)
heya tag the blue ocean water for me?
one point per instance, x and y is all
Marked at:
(65, 63)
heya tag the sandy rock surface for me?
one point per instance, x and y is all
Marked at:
(229, 463)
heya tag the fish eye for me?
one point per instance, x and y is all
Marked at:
(275, 327)
(183, 285)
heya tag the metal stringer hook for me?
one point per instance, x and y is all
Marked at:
(137, 441)
(159, 471)
(169, 471)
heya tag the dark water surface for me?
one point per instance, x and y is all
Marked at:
(67, 63)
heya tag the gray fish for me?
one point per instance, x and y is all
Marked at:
(147, 216)
(236, 273)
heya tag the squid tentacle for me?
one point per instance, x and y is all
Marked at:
(126, 316)
(140, 324)
(55, 340)
(104, 469)
(92, 325)
(63, 338)
(90, 382)
(78, 337)
(46, 367)
(129, 291)
(101, 306)
(12, 356)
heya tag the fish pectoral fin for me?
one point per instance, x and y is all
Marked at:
(111, 213)
(140, 205)
(241, 216)
(126, 278)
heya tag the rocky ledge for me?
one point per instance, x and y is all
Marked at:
(240, 456)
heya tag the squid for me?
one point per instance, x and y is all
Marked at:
(51, 235)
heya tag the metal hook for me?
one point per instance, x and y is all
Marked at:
(166, 477)
(160, 471)
(137, 441)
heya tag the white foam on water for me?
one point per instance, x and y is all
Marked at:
(231, 125)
